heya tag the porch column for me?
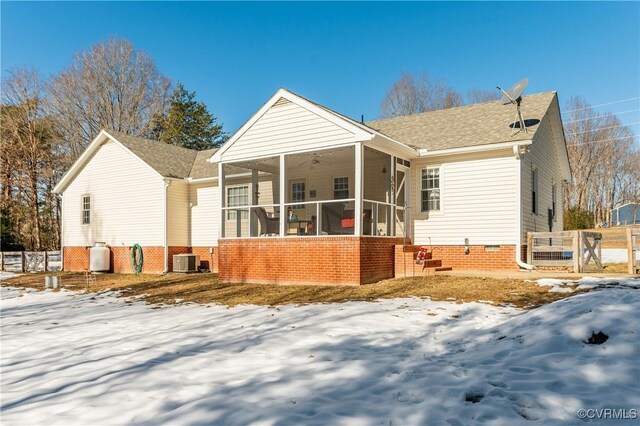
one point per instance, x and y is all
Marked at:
(253, 224)
(359, 154)
(221, 212)
(283, 195)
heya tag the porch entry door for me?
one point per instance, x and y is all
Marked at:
(403, 184)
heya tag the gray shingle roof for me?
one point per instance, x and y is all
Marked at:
(169, 160)
(470, 125)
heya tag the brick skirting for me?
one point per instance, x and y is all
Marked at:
(77, 258)
(479, 257)
(306, 260)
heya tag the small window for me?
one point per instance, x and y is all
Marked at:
(553, 200)
(237, 196)
(430, 190)
(534, 191)
(340, 188)
(86, 209)
(298, 194)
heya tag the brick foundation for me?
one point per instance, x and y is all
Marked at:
(453, 256)
(77, 258)
(306, 260)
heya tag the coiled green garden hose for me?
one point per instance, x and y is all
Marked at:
(136, 258)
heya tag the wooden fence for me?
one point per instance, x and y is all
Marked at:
(633, 249)
(31, 261)
(566, 249)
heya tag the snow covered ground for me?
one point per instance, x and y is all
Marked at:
(73, 358)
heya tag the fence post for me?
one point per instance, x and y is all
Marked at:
(1, 261)
(529, 248)
(631, 259)
(46, 261)
(577, 255)
(22, 262)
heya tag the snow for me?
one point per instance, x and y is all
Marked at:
(74, 358)
(586, 283)
(614, 255)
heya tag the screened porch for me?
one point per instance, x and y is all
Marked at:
(351, 190)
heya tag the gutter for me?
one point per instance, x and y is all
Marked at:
(518, 153)
(471, 149)
(166, 184)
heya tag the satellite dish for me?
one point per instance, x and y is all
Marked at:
(514, 96)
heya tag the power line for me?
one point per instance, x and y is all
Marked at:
(601, 105)
(594, 118)
(605, 128)
(600, 141)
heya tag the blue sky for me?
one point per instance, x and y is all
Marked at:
(346, 55)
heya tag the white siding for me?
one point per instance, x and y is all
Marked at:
(284, 128)
(178, 221)
(126, 201)
(205, 200)
(543, 155)
(478, 201)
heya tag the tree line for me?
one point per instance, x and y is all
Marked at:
(47, 123)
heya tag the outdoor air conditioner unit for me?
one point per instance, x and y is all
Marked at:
(186, 262)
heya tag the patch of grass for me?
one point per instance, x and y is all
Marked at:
(204, 288)
(616, 268)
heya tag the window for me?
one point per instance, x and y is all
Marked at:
(340, 188)
(534, 191)
(298, 194)
(553, 200)
(237, 196)
(86, 209)
(430, 190)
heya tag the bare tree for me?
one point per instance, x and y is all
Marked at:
(477, 96)
(111, 85)
(27, 141)
(604, 161)
(416, 93)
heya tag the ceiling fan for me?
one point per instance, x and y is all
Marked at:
(313, 162)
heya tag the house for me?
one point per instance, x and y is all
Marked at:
(625, 214)
(303, 194)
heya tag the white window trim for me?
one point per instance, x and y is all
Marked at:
(440, 211)
(82, 210)
(226, 198)
(554, 201)
(333, 187)
(534, 169)
(306, 192)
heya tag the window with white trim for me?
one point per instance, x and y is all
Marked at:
(340, 188)
(430, 189)
(86, 209)
(553, 201)
(534, 190)
(237, 196)
(298, 194)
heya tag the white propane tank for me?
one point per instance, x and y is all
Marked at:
(99, 258)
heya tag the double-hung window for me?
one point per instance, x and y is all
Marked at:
(534, 191)
(553, 200)
(298, 194)
(86, 209)
(430, 189)
(340, 188)
(237, 196)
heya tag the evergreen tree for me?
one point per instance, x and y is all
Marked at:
(188, 123)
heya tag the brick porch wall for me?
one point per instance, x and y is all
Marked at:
(306, 260)
(454, 256)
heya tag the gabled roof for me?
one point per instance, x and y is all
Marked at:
(466, 126)
(361, 131)
(167, 160)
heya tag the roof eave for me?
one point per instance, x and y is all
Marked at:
(423, 152)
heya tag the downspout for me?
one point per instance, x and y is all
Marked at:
(518, 154)
(61, 232)
(167, 184)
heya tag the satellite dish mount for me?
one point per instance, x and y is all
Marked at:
(514, 96)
